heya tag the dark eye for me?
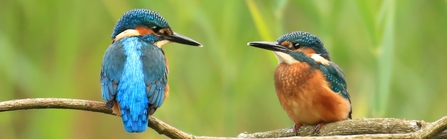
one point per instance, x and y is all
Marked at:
(296, 45)
(156, 29)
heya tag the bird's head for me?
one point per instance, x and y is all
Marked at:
(149, 25)
(295, 42)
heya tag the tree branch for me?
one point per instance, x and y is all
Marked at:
(86, 105)
(358, 128)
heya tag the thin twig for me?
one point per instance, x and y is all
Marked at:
(358, 128)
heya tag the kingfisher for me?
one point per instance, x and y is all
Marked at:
(310, 87)
(134, 72)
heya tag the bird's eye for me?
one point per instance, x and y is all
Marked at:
(156, 29)
(296, 45)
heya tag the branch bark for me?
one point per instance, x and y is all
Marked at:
(357, 128)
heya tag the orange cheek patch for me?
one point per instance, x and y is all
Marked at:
(143, 30)
(307, 51)
(166, 31)
(286, 44)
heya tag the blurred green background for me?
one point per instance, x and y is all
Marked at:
(392, 52)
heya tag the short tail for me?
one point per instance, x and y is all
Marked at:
(134, 125)
(134, 116)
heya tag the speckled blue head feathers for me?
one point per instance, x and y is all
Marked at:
(139, 17)
(304, 39)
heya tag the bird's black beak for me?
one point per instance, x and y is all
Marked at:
(175, 37)
(272, 46)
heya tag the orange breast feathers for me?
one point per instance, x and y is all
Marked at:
(116, 108)
(306, 96)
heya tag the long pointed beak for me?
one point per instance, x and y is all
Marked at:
(272, 46)
(175, 37)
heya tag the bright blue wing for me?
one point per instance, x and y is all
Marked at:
(111, 71)
(155, 76)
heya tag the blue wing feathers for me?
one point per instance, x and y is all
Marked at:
(160, 97)
(112, 68)
(155, 75)
(336, 79)
(149, 90)
(154, 97)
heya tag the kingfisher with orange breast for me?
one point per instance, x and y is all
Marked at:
(310, 87)
(134, 72)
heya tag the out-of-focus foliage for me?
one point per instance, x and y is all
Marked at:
(392, 52)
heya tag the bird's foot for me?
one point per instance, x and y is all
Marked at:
(296, 127)
(318, 127)
(110, 104)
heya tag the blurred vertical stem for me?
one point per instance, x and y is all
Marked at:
(385, 57)
(279, 15)
(259, 20)
(381, 31)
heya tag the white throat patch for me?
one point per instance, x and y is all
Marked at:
(285, 58)
(133, 32)
(161, 43)
(126, 33)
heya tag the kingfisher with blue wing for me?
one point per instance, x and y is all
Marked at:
(310, 87)
(134, 72)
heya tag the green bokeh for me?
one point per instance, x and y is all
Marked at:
(392, 52)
